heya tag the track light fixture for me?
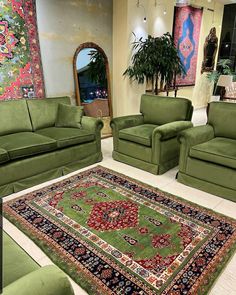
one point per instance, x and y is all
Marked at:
(160, 4)
(140, 5)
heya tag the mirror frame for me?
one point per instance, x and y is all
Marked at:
(77, 92)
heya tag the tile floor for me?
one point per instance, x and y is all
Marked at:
(226, 283)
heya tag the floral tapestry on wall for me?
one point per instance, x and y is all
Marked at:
(21, 73)
(186, 31)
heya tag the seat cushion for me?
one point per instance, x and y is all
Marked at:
(25, 144)
(3, 156)
(141, 134)
(219, 150)
(67, 136)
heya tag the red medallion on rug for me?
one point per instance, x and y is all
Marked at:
(113, 215)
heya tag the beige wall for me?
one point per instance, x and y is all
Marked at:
(63, 26)
(126, 95)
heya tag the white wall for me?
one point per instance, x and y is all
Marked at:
(63, 26)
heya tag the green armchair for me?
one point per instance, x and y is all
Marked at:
(23, 276)
(149, 140)
(208, 153)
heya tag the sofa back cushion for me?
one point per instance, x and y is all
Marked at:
(14, 117)
(222, 116)
(160, 110)
(43, 112)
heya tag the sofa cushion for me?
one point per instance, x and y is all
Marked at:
(218, 150)
(222, 116)
(43, 112)
(141, 134)
(14, 117)
(161, 110)
(67, 136)
(24, 144)
(69, 116)
(3, 156)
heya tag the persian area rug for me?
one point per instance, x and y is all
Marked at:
(21, 74)
(116, 235)
(186, 31)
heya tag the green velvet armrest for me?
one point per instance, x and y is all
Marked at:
(48, 280)
(126, 121)
(171, 129)
(92, 124)
(95, 125)
(196, 135)
(121, 123)
(191, 137)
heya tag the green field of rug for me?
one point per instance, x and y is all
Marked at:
(116, 235)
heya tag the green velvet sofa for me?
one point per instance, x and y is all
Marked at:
(149, 140)
(23, 276)
(33, 150)
(208, 153)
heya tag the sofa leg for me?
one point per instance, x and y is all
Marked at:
(176, 176)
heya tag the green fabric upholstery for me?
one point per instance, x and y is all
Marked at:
(94, 125)
(170, 130)
(149, 140)
(4, 157)
(16, 262)
(14, 117)
(23, 276)
(48, 280)
(208, 153)
(18, 171)
(141, 134)
(124, 122)
(135, 150)
(67, 136)
(21, 183)
(43, 152)
(25, 144)
(43, 112)
(191, 137)
(160, 110)
(222, 117)
(218, 150)
(207, 186)
(69, 116)
(211, 172)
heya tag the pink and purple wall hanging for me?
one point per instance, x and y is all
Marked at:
(186, 32)
(21, 74)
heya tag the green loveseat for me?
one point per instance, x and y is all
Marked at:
(208, 153)
(33, 150)
(23, 276)
(149, 140)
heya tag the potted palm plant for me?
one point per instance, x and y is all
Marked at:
(223, 68)
(155, 60)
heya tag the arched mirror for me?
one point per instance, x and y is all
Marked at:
(92, 83)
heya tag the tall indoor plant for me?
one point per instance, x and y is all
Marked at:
(223, 68)
(155, 60)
